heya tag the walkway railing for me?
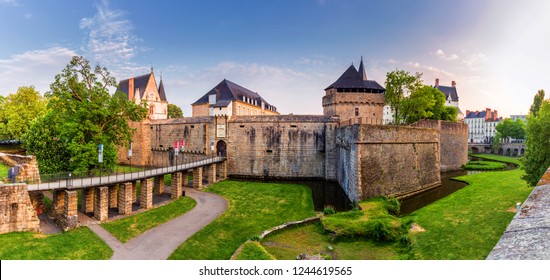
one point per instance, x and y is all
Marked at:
(68, 181)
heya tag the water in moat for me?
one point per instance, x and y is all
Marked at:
(448, 186)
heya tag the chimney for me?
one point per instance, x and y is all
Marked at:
(488, 114)
(495, 115)
(436, 82)
(453, 84)
(131, 89)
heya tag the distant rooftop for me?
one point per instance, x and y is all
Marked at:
(354, 80)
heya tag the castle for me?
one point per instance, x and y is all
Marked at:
(347, 144)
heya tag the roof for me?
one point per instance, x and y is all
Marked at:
(140, 83)
(227, 91)
(473, 115)
(448, 91)
(353, 79)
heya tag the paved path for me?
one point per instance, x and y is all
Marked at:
(158, 243)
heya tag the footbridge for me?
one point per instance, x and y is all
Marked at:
(99, 193)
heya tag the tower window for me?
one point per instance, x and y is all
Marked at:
(357, 112)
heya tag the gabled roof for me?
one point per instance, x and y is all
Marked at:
(227, 91)
(473, 115)
(162, 94)
(140, 83)
(353, 79)
(448, 91)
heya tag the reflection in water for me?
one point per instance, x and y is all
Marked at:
(448, 186)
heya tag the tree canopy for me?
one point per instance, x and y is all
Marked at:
(426, 102)
(400, 84)
(18, 110)
(513, 129)
(537, 145)
(537, 102)
(174, 111)
(82, 114)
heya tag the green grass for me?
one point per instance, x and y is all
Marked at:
(253, 250)
(468, 223)
(312, 239)
(253, 208)
(483, 165)
(3, 171)
(514, 160)
(130, 227)
(76, 244)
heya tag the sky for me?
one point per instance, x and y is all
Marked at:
(288, 51)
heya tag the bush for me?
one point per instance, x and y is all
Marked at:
(484, 165)
(393, 206)
(329, 210)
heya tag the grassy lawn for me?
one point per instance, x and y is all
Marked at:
(3, 171)
(130, 227)
(312, 239)
(484, 165)
(76, 244)
(468, 223)
(253, 208)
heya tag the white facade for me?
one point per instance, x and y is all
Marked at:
(480, 129)
(388, 114)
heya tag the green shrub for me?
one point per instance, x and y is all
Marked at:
(484, 165)
(329, 210)
(253, 250)
(393, 206)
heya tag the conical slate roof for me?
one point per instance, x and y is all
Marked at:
(227, 91)
(353, 79)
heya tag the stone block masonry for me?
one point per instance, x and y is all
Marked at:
(125, 199)
(185, 178)
(16, 210)
(58, 202)
(146, 195)
(197, 178)
(158, 182)
(101, 203)
(175, 188)
(211, 174)
(113, 196)
(69, 219)
(87, 205)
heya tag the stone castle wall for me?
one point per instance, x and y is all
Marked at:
(376, 160)
(453, 145)
(28, 171)
(16, 210)
(287, 146)
(343, 105)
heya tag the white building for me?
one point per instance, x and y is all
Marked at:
(481, 125)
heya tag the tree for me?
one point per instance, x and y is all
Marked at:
(174, 111)
(82, 114)
(399, 84)
(513, 129)
(426, 102)
(537, 146)
(537, 102)
(19, 110)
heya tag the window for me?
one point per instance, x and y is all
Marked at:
(357, 112)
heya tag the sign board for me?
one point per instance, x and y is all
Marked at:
(176, 147)
(182, 146)
(220, 131)
(100, 153)
(130, 150)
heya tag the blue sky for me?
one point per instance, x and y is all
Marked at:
(288, 51)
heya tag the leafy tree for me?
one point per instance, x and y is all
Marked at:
(82, 114)
(537, 146)
(497, 141)
(18, 110)
(399, 84)
(537, 102)
(426, 102)
(513, 129)
(174, 111)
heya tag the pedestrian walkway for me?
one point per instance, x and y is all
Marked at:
(158, 243)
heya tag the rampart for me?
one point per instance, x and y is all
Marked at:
(289, 147)
(16, 209)
(453, 142)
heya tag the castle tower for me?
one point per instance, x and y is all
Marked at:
(352, 96)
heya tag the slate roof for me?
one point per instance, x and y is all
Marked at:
(473, 115)
(140, 82)
(227, 91)
(353, 79)
(448, 91)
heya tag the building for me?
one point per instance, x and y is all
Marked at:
(481, 125)
(353, 96)
(144, 88)
(521, 117)
(451, 100)
(230, 99)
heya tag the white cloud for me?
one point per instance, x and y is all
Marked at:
(475, 61)
(37, 67)
(430, 70)
(442, 55)
(110, 40)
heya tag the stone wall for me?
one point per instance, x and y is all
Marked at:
(28, 171)
(453, 144)
(287, 146)
(376, 160)
(16, 209)
(343, 105)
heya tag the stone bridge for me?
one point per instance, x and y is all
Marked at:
(506, 149)
(120, 191)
